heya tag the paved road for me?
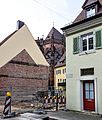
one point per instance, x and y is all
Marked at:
(60, 115)
(70, 115)
(27, 116)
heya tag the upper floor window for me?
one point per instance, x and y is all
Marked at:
(64, 71)
(87, 42)
(90, 12)
(58, 72)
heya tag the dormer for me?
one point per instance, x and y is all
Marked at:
(91, 7)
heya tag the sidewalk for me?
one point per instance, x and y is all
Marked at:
(57, 115)
(71, 115)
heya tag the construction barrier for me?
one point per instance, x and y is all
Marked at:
(7, 108)
(51, 101)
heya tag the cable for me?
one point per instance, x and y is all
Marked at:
(51, 9)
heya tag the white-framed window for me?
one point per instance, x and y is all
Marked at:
(87, 42)
(90, 12)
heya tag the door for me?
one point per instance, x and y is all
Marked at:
(88, 95)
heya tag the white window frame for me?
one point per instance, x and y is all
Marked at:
(90, 12)
(87, 36)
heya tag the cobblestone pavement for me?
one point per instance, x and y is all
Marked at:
(60, 115)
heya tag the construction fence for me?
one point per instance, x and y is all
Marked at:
(31, 97)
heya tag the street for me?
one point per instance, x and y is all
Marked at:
(58, 115)
(27, 116)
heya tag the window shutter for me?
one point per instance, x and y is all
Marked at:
(98, 39)
(76, 45)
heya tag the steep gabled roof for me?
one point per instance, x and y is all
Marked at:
(56, 33)
(18, 41)
(88, 2)
(82, 16)
(62, 61)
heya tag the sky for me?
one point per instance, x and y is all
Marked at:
(39, 15)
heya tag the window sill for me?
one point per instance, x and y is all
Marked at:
(87, 52)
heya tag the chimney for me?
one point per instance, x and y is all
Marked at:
(19, 24)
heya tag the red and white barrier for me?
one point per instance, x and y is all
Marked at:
(51, 101)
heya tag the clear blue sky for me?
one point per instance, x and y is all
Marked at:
(38, 15)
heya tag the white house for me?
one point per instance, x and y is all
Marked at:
(84, 59)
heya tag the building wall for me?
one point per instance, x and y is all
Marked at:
(21, 40)
(74, 62)
(59, 77)
(21, 74)
(59, 50)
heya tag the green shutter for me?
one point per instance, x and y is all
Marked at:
(98, 39)
(76, 45)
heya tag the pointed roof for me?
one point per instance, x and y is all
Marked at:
(56, 33)
(16, 42)
(88, 2)
(62, 60)
(82, 16)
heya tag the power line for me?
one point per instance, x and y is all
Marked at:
(51, 9)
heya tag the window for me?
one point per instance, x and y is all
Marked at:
(64, 80)
(64, 70)
(90, 12)
(89, 90)
(87, 42)
(58, 72)
(87, 71)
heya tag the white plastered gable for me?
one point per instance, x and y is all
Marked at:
(20, 40)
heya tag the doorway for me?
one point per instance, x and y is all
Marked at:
(88, 95)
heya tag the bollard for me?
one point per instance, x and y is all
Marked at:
(7, 108)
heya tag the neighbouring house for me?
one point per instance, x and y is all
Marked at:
(60, 76)
(23, 68)
(53, 47)
(84, 59)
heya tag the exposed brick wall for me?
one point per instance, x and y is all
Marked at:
(21, 74)
(24, 57)
(25, 71)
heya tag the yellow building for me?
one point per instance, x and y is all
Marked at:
(60, 76)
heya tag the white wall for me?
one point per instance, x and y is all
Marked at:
(74, 62)
(19, 41)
